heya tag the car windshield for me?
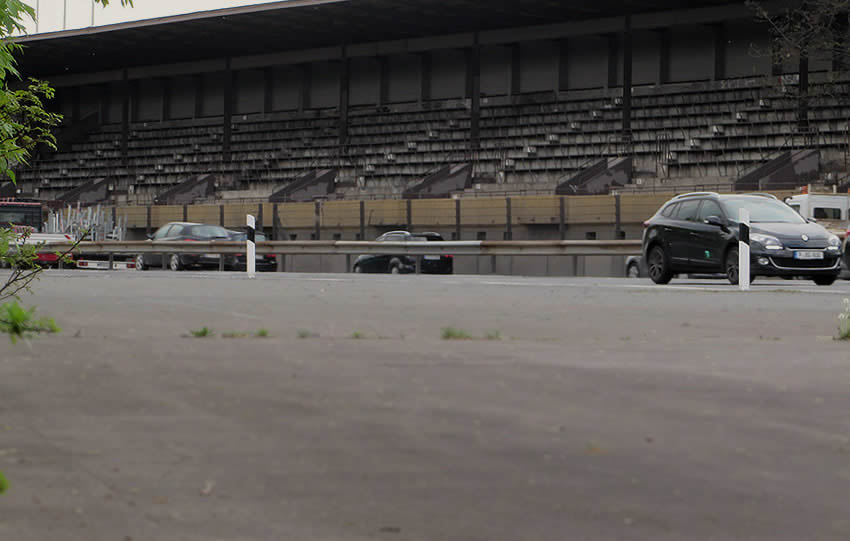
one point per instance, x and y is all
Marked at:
(762, 210)
(208, 231)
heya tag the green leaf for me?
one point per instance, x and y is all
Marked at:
(4, 484)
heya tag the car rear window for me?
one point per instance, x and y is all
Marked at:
(208, 231)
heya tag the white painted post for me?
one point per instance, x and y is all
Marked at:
(744, 250)
(251, 251)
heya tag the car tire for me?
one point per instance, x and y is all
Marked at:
(395, 269)
(730, 266)
(140, 263)
(358, 269)
(633, 271)
(659, 265)
(174, 263)
(824, 280)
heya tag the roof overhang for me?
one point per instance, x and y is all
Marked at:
(304, 24)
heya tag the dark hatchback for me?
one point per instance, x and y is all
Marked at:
(184, 231)
(238, 262)
(399, 264)
(698, 233)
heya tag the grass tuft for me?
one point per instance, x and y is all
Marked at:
(234, 335)
(262, 333)
(203, 332)
(357, 335)
(451, 333)
(493, 335)
(303, 333)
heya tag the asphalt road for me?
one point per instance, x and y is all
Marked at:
(607, 409)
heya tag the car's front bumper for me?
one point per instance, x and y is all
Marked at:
(783, 263)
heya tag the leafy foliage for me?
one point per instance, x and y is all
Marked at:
(19, 322)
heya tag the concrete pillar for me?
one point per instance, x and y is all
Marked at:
(613, 57)
(563, 65)
(268, 90)
(664, 45)
(228, 112)
(719, 31)
(125, 116)
(516, 69)
(306, 74)
(383, 80)
(627, 78)
(803, 99)
(362, 220)
(473, 74)
(344, 85)
(425, 77)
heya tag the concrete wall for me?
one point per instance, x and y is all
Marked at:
(324, 85)
(249, 86)
(212, 95)
(403, 84)
(691, 53)
(495, 70)
(587, 62)
(448, 74)
(149, 107)
(538, 66)
(182, 97)
(286, 88)
(364, 85)
(646, 51)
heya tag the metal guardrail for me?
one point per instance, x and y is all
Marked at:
(341, 247)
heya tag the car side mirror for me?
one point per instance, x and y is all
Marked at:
(149, 236)
(812, 220)
(716, 221)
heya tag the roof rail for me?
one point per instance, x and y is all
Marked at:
(761, 194)
(694, 194)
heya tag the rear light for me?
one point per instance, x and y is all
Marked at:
(449, 256)
(239, 255)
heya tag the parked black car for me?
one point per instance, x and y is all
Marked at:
(698, 233)
(395, 264)
(238, 262)
(176, 231)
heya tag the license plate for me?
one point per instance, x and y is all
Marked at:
(432, 257)
(808, 255)
(212, 256)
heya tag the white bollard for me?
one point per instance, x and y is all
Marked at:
(251, 251)
(744, 250)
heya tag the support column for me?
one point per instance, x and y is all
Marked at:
(344, 86)
(125, 116)
(275, 222)
(425, 63)
(719, 51)
(199, 96)
(562, 218)
(268, 90)
(613, 57)
(221, 215)
(563, 65)
(305, 72)
(166, 100)
(516, 69)
(664, 47)
(148, 221)
(228, 113)
(318, 218)
(457, 219)
(473, 75)
(509, 226)
(383, 81)
(362, 220)
(627, 79)
(803, 98)
(409, 214)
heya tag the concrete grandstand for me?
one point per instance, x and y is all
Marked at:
(310, 99)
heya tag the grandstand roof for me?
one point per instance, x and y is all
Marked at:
(301, 24)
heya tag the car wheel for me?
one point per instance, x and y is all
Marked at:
(358, 269)
(633, 271)
(140, 262)
(731, 266)
(824, 280)
(659, 266)
(395, 269)
(174, 263)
